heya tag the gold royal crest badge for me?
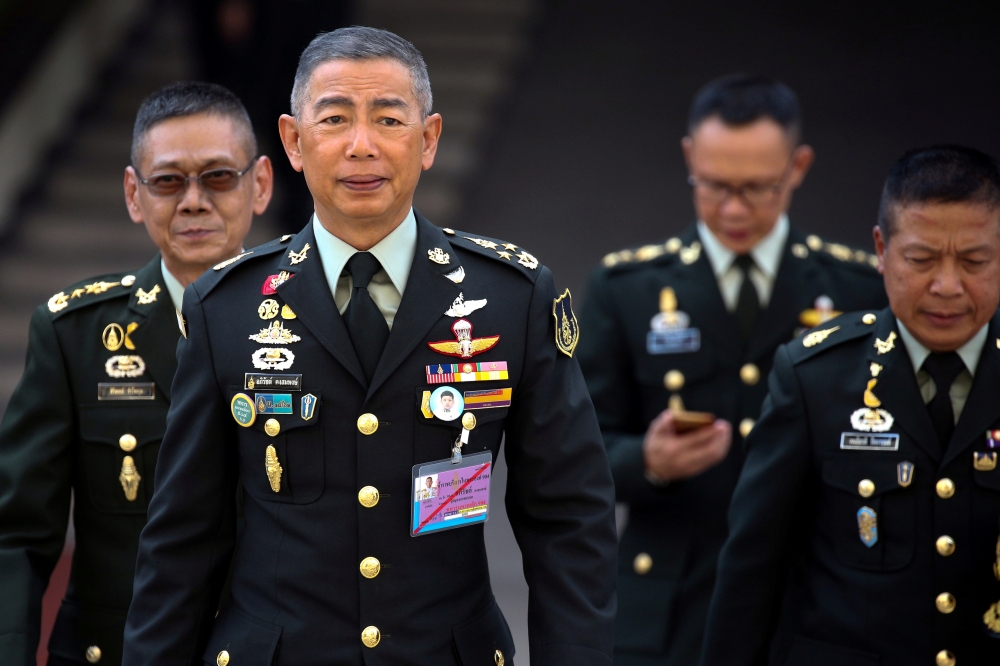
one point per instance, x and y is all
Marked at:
(567, 328)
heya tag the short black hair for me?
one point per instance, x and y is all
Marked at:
(188, 98)
(740, 99)
(939, 174)
(448, 394)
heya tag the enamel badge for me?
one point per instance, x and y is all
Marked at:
(275, 334)
(868, 526)
(567, 328)
(125, 366)
(464, 345)
(272, 282)
(463, 308)
(904, 473)
(871, 418)
(273, 359)
(243, 410)
(307, 407)
(668, 329)
(456, 275)
(993, 439)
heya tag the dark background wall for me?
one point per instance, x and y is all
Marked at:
(585, 158)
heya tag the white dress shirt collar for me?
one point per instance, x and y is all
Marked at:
(174, 286)
(969, 352)
(766, 253)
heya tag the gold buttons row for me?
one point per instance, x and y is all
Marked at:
(945, 602)
(945, 545)
(674, 379)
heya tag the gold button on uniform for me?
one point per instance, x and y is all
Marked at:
(370, 567)
(750, 374)
(272, 427)
(642, 563)
(945, 658)
(370, 636)
(127, 442)
(367, 424)
(498, 658)
(945, 545)
(866, 488)
(222, 659)
(945, 488)
(674, 380)
(869, 319)
(468, 420)
(746, 425)
(368, 496)
(93, 654)
(945, 602)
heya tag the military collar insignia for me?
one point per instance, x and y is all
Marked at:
(690, 254)
(816, 337)
(888, 345)
(147, 297)
(439, 256)
(275, 334)
(567, 327)
(273, 359)
(222, 264)
(272, 282)
(125, 366)
(464, 345)
(463, 308)
(456, 275)
(298, 257)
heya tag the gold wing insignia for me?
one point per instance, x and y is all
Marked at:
(482, 344)
(446, 347)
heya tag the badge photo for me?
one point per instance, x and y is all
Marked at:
(427, 488)
(447, 403)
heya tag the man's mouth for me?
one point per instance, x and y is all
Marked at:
(944, 319)
(365, 183)
(195, 233)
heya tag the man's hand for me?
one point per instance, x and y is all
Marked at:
(672, 457)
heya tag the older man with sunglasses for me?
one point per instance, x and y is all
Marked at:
(90, 410)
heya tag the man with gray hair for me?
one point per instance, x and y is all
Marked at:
(308, 373)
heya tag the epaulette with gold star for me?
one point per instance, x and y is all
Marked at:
(90, 291)
(842, 253)
(672, 248)
(499, 250)
(829, 334)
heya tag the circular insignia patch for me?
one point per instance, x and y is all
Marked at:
(243, 410)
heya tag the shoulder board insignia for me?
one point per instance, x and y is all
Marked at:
(219, 266)
(499, 250)
(837, 251)
(817, 337)
(838, 330)
(62, 300)
(649, 252)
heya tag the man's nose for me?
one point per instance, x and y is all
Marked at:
(362, 145)
(195, 199)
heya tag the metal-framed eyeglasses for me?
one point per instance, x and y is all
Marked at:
(217, 180)
(753, 194)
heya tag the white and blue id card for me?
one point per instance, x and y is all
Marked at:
(447, 495)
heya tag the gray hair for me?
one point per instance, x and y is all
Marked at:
(359, 43)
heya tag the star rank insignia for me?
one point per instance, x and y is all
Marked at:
(504, 255)
(300, 256)
(482, 242)
(567, 328)
(464, 345)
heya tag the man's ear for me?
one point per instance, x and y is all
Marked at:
(881, 243)
(687, 145)
(802, 158)
(263, 184)
(132, 195)
(432, 134)
(288, 129)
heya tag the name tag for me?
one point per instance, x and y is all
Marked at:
(678, 341)
(129, 391)
(258, 381)
(274, 403)
(862, 441)
(447, 495)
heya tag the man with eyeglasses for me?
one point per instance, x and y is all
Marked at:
(87, 417)
(694, 323)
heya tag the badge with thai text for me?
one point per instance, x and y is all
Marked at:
(263, 382)
(868, 526)
(274, 403)
(487, 399)
(243, 409)
(130, 391)
(447, 373)
(668, 329)
(854, 441)
(447, 495)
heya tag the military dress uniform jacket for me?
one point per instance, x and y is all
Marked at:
(94, 395)
(674, 532)
(325, 570)
(890, 537)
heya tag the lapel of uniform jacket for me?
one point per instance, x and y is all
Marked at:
(698, 295)
(980, 411)
(776, 323)
(155, 339)
(897, 388)
(427, 296)
(308, 295)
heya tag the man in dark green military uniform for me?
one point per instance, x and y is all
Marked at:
(695, 321)
(91, 407)
(865, 522)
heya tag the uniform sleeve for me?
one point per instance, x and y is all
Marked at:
(560, 500)
(36, 462)
(754, 562)
(186, 545)
(606, 364)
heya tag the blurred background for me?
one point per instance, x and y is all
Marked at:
(562, 123)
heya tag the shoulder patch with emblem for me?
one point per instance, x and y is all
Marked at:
(567, 327)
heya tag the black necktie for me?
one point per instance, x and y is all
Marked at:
(748, 304)
(365, 322)
(943, 369)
